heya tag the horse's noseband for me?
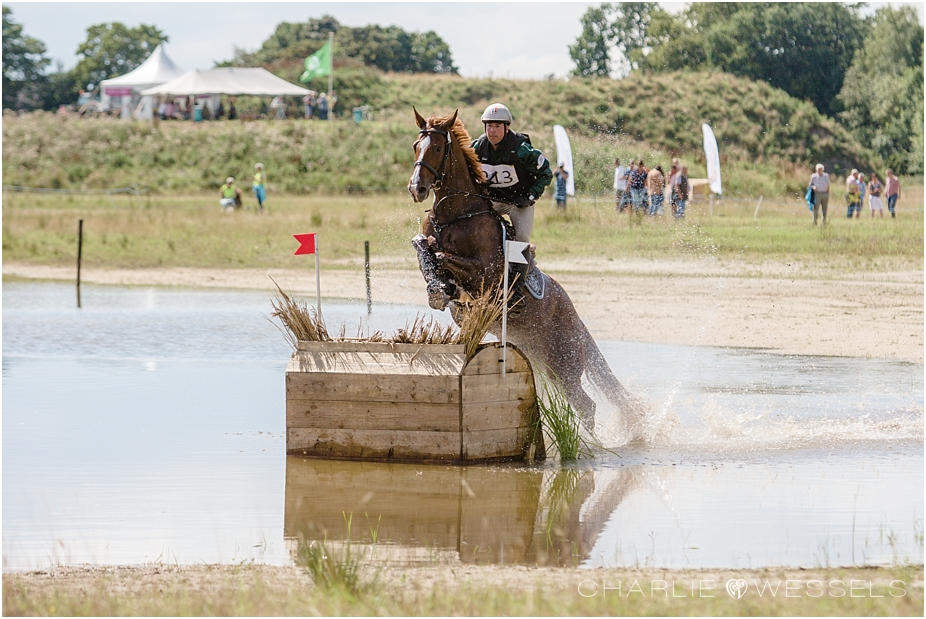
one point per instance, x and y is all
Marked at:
(438, 175)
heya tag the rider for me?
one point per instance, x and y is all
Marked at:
(517, 174)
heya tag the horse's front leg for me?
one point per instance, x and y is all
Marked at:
(468, 273)
(437, 294)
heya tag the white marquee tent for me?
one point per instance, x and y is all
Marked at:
(227, 81)
(157, 69)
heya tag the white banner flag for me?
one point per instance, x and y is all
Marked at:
(713, 159)
(564, 156)
(516, 251)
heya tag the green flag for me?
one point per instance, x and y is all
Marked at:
(318, 64)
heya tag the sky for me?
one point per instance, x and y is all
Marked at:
(526, 40)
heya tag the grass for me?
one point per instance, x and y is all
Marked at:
(190, 231)
(251, 590)
(560, 422)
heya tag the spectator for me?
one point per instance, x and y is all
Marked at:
(309, 102)
(874, 196)
(259, 186)
(279, 106)
(561, 176)
(852, 194)
(655, 181)
(638, 188)
(625, 200)
(229, 196)
(820, 183)
(332, 101)
(323, 106)
(232, 112)
(681, 192)
(892, 191)
(861, 195)
(219, 110)
(620, 184)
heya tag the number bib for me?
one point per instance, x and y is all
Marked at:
(500, 175)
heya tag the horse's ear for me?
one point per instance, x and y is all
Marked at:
(447, 125)
(422, 123)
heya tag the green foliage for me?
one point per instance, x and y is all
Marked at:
(24, 63)
(388, 48)
(621, 25)
(112, 50)
(559, 420)
(883, 90)
(802, 48)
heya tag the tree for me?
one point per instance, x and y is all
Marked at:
(24, 64)
(883, 90)
(621, 26)
(112, 50)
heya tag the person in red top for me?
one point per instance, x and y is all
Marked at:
(892, 191)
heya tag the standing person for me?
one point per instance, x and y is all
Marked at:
(820, 183)
(279, 106)
(259, 186)
(561, 176)
(626, 202)
(892, 191)
(852, 195)
(232, 112)
(323, 106)
(655, 181)
(332, 101)
(308, 101)
(620, 184)
(229, 196)
(681, 189)
(861, 195)
(638, 188)
(874, 196)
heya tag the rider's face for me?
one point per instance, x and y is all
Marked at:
(495, 132)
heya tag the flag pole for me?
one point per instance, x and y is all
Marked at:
(330, 73)
(318, 285)
(505, 310)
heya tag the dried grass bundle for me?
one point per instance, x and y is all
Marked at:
(479, 317)
(425, 332)
(300, 323)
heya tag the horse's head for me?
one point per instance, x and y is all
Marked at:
(432, 150)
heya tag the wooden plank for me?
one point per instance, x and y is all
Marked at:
(480, 388)
(386, 388)
(373, 444)
(489, 361)
(362, 415)
(486, 444)
(380, 347)
(376, 363)
(497, 415)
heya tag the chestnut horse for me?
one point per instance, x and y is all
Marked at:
(460, 255)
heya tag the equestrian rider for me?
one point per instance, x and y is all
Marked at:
(517, 172)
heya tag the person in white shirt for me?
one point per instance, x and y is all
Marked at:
(620, 184)
(820, 182)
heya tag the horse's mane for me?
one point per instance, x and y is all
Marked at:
(462, 137)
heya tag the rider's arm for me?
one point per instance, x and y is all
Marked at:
(534, 161)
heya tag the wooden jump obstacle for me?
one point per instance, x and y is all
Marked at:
(410, 402)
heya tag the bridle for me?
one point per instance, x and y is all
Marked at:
(438, 175)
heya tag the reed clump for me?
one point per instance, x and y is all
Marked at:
(300, 323)
(425, 331)
(560, 421)
(479, 317)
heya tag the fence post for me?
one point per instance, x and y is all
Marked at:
(366, 268)
(710, 208)
(756, 214)
(80, 246)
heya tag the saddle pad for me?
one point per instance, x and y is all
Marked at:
(536, 283)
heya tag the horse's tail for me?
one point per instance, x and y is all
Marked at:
(599, 373)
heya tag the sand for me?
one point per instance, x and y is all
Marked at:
(781, 308)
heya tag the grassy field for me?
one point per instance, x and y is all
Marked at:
(250, 590)
(191, 231)
(768, 140)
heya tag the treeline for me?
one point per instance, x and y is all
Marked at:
(865, 71)
(114, 49)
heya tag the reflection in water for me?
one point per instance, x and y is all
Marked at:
(407, 514)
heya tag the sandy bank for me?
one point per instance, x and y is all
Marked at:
(783, 308)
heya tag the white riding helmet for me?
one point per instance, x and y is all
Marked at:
(497, 113)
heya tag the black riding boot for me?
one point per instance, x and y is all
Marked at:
(518, 276)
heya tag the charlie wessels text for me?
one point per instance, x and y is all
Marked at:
(738, 588)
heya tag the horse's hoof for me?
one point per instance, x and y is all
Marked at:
(438, 300)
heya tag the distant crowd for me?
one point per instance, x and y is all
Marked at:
(878, 192)
(642, 190)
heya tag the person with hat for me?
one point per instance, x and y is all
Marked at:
(259, 186)
(516, 172)
(229, 195)
(820, 183)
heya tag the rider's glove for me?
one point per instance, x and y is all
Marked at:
(524, 201)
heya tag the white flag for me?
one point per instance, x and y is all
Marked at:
(516, 251)
(564, 156)
(713, 158)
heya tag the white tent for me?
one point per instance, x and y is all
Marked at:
(157, 69)
(227, 81)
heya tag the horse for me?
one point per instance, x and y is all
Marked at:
(460, 256)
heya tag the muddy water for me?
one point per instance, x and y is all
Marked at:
(148, 426)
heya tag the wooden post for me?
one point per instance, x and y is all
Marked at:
(80, 246)
(710, 208)
(756, 214)
(366, 268)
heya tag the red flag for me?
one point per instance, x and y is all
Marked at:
(307, 243)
